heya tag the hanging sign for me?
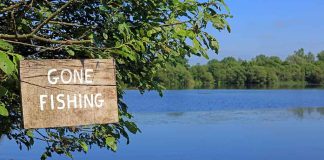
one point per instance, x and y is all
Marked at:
(59, 93)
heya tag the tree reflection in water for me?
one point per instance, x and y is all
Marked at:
(302, 112)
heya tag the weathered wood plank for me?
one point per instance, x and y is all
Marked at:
(68, 104)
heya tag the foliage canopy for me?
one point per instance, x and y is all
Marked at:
(142, 36)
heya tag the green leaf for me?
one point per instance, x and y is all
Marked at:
(3, 110)
(70, 52)
(103, 8)
(111, 142)
(30, 133)
(69, 155)
(196, 44)
(228, 28)
(17, 59)
(84, 146)
(131, 126)
(105, 35)
(124, 30)
(44, 156)
(5, 46)
(91, 37)
(3, 91)
(6, 65)
(213, 43)
(141, 45)
(225, 5)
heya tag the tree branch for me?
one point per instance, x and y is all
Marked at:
(19, 36)
(60, 41)
(33, 35)
(51, 17)
(174, 24)
(25, 44)
(12, 6)
(39, 38)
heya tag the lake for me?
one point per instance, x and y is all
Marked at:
(215, 124)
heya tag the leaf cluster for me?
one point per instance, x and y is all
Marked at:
(142, 36)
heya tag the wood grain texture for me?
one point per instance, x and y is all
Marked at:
(34, 83)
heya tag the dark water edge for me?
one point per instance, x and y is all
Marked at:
(223, 99)
(273, 86)
(278, 85)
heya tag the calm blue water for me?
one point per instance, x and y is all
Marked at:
(215, 124)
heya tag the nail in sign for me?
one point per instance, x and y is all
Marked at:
(59, 93)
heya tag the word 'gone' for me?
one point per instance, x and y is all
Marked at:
(67, 76)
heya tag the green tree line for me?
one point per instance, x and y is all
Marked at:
(298, 69)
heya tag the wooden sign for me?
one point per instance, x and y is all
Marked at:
(58, 93)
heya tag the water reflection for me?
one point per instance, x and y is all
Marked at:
(175, 114)
(302, 112)
(215, 100)
(224, 116)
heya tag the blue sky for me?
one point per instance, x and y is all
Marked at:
(270, 27)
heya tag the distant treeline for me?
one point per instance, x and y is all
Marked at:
(300, 68)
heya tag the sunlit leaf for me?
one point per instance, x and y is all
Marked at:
(30, 133)
(5, 46)
(105, 35)
(111, 142)
(84, 146)
(70, 52)
(6, 65)
(3, 110)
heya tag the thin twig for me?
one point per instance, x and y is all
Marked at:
(44, 137)
(14, 22)
(39, 38)
(69, 42)
(51, 17)
(174, 24)
(41, 134)
(65, 23)
(25, 44)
